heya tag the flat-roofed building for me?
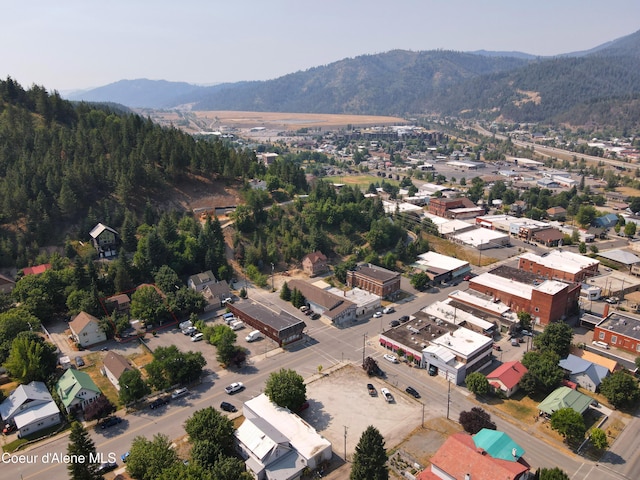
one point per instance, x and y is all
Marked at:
(374, 279)
(620, 330)
(441, 268)
(281, 326)
(546, 300)
(447, 311)
(559, 264)
(442, 206)
(482, 238)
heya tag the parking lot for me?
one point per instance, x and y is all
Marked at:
(340, 399)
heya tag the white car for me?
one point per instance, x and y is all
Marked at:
(387, 395)
(180, 392)
(377, 315)
(390, 358)
(234, 387)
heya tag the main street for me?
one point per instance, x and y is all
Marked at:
(325, 345)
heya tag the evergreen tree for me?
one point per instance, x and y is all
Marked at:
(285, 293)
(370, 459)
(81, 444)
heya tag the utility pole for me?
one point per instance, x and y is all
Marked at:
(345, 443)
(448, 395)
(364, 345)
(273, 289)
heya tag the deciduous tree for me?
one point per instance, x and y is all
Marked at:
(148, 459)
(477, 383)
(286, 388)
(621, 389)
(568, 423)
(475, 420)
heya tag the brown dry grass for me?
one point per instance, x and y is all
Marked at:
(445, 247)
(628, 191)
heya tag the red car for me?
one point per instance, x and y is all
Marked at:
(467, 278)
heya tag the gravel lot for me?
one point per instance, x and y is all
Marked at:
(340, 399)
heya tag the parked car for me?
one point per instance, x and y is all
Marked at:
(377, 315)
(106, 467)
(390, 358)
(189, 330)
(612, 300)
(8, 428)
(234, 388)
(496, 347)
(387, 395)
(197, 337)
(79, 361)
(467, 278)
(315, 316)
(159, 402)
(526, 333)
(110, 422)
(412, 391)
(180, 392)
(125, 456)
(433, 370)
(304, 308)
(404, 318)
(371, 389)
(394, 323)
(514, 342)
(227, 407)
(389, 310)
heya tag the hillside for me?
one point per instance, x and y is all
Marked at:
(509, 85)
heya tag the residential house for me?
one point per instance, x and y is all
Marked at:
(506, 378)
(105, 240)
(36, 270)
(277, 444)
(550, 237)
(113, 366)
(200, 281)
(121, 303)
(606, 221)
(76, 390)
(557, 213)
(86, 330)
(6, 284)
(565, 397)
(30, 408)
(374, 279)
(583, 372)
(314, 263)
(461, 458)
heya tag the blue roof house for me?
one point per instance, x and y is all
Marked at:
(583, 372)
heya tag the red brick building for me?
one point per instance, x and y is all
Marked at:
(314, 263)
(374, 279)
(559, 265)
(619, 330)
(546, 300)
(442, 206)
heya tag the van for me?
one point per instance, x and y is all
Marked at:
(601, 344)
(236, 325)
(253, 336)
(227, 315)
(197, 337)
(304, 308)
(185, 325)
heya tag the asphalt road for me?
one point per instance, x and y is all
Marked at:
(327, 345)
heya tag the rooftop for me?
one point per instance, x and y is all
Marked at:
(278, 321)
(441, 262)
(509, 373)
(480, 237)
(463, 341)
(562, 260)
(620, 256)
(450, 312)
(624, 324)
(378, 273)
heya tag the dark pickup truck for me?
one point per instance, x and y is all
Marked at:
(372, 390)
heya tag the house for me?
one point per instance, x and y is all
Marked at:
(36, 270)
(216, 293)
(460, 458)
(6, 284)
(86, 330)
(605, 221)
(583, 372)
(374, 279)
(506, 378)
(314, 263)
(565, 397)
(105, 240)
(76, 390)
(277, 444)
(550, 237)
(120, 303)
(113, 366)
(557, 213)
(200, 281)
(30, 408)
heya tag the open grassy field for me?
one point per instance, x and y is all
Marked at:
(361, 181)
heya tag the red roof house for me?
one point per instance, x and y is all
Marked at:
(36, 270)
(507, 377)
(459, 457)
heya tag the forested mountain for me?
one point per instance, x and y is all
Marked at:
(65, 167)
(509, 85)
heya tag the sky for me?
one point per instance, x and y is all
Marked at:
(76, 44)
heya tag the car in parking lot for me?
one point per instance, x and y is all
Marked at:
(412, 391)
(228, 407)
(189, 330)
(197, 337)
(433, 370)
(526, 333)
(377, 315)
(404, 318)
(394, 323)
(159, 402)
(79, 361)
(110, 422)
(514, 342)
(106, 467)
(390, 358)
(180, 392)
(468, 277)
(125, 456)
(234, 388)
(612, 300)
(389, 310)
(387, 395)
(315, 316)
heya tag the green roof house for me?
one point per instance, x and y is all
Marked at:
(498, 445)
(76, 390)
(565, 397)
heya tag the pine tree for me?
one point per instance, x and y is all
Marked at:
(370, 459)
(81, 446)
(285, 293)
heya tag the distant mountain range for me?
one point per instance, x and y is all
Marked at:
(511, 86)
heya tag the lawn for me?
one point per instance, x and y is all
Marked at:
(94, 361)
(445, 247)
(361, 181)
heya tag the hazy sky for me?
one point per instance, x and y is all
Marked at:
(72, 44)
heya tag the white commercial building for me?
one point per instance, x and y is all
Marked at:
(441, 268)
(482, 238)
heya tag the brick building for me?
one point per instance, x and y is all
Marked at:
(546, 300)
(619, 330)
(374, 279)
(559, 265)
(442, 206)
(314, 263)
